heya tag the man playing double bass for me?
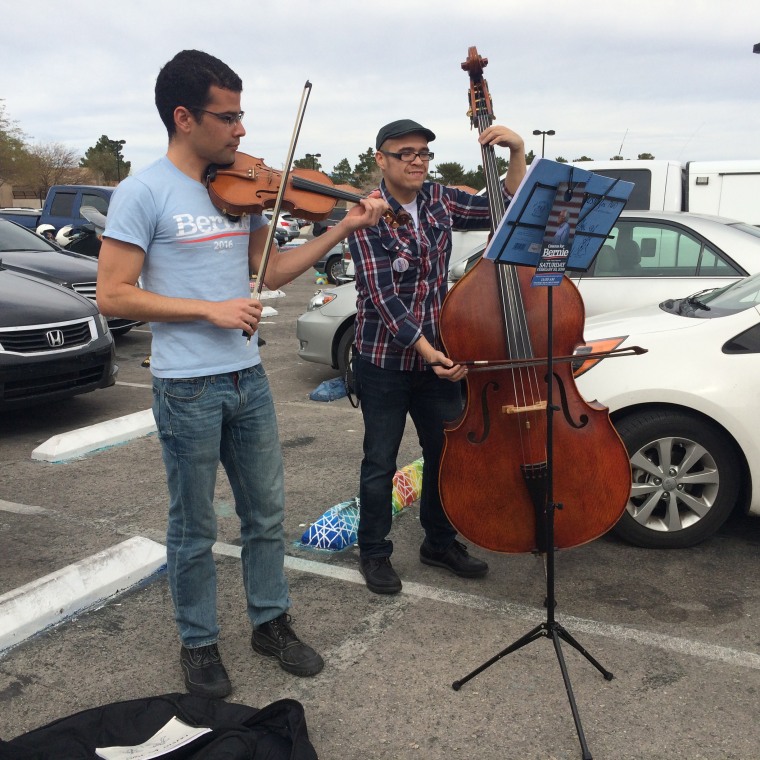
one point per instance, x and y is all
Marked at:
(401, 278)
(211, 396)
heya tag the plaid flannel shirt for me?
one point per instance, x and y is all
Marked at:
(397, 304)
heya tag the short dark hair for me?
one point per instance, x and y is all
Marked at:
(186, 81)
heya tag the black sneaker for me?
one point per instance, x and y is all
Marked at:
(278, 639)
(379, 575)
(455, 558)
(204, 673)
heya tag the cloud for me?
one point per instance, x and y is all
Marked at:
(672, 77)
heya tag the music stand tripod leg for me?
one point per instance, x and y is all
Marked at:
(564, 634)
(555, 636)
(532, 635)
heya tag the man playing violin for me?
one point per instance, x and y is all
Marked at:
(401, 279)
(212, 400)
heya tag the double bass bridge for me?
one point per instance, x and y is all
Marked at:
(539, 406)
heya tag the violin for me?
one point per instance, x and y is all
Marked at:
(248, 186)
(495, 480)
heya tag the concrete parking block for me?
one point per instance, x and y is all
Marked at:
(84, 440)
(32, 608)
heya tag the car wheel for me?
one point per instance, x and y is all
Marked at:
(344, 351)
(334, 269)
(685, 479)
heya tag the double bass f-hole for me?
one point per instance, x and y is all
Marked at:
(486, 415)
(564, 407)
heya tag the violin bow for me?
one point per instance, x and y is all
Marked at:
(256, 292)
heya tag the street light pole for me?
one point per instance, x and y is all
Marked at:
(313, 157)
(543, 134)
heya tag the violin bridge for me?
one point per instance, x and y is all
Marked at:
(511, 409)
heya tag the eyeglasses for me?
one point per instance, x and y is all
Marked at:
(230, 119)
(407, 156)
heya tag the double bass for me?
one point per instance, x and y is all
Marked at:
(503, 461)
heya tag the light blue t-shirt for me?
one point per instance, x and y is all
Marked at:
(191, 251)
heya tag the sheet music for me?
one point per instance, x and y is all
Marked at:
(173, 735)
(593, 203)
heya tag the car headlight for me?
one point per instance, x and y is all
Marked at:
(103, 322)
(321, 298)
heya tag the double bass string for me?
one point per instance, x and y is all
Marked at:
(525, 381)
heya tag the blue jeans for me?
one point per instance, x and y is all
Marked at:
(202, 421)
(386, 398)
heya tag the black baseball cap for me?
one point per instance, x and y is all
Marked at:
(399, 128)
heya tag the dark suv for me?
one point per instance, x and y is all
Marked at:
(335, 216)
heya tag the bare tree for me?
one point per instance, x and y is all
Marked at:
(13, 152)
(51, 164)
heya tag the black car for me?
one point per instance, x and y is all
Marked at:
(322, 226)
(54, 343)
(22, 250)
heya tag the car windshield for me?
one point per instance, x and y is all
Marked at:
(738, 296)
(15, 238)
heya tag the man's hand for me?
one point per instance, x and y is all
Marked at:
(366, 213)
(506, 138)
(441, 364)
(237, 313)
(446, 369)
(503, 137)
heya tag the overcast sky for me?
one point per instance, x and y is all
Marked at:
(676, 78)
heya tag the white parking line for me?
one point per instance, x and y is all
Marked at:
(534, 615)
(22, 509)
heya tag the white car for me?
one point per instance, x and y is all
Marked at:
(286, 222)
(648, 257)
(688, 410)
(652, 255)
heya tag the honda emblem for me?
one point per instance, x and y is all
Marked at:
(54, 338)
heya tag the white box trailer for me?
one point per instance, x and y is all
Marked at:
(658, 185)
(721, 188)
(725, 188)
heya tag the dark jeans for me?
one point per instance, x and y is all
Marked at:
(386, 398)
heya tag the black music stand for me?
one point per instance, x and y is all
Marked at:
(547, 189)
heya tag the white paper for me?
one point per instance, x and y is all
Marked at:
(173, 735)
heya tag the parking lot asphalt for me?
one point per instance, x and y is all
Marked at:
(677, 629)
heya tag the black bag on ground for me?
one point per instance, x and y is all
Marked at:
(238, 732)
